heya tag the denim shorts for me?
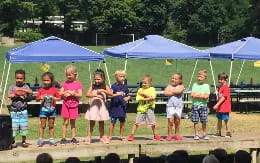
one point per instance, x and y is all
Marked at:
(222, 116)
(47, 112)
(114, 119)
(199, 114)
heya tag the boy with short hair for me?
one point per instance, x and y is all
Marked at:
(223, 106)
(145, 109)
(199, 112)
(118, 103)
(18, 93)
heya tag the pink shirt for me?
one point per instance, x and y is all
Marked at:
(72, 86)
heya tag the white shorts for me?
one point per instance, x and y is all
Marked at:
(173, 111)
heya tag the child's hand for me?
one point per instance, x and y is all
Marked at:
(119, 93)
(141, 93)
(215, 107)
(100, 96)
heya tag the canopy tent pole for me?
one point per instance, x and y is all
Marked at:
(99, 64)
(125, 64)
(90, 75)
(230, 71)
(193, 73)
(107, 74)
(240, 71)
(6, 80)
(212, 73)
(3, 74)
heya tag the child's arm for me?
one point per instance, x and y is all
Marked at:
(169, 92)
(106, 91)
(220, 101)
(89, 93)
(200, 95)
(127, 98)
(142, 96)
(26, 90)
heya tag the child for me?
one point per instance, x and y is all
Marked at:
(98, 110)
(199, 111)
(145, 109)
(223, 106)
(18, 93)
(48, 95)
(174, 105)
(118, 103)
(71, 91)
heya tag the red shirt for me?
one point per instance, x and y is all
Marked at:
(224, 91)
(48, 91)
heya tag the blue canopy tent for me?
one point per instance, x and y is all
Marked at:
(244, 49)
(51, 49)
(156, 47)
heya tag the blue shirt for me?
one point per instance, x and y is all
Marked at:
(118, 104)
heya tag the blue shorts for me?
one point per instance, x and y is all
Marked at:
(114, 119)
(199, 114)
(47, 112)
(222, 116)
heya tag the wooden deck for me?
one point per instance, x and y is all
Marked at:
(141, 145)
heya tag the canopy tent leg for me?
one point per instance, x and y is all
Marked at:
(125, 64)
(240, 71)
(107, 74)
(90, 74)
(6, 80)
(3, 74)
(212, 73)
(230, 71)
(193, 73)
(99, 65)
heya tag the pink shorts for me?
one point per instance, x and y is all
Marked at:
(69, 112)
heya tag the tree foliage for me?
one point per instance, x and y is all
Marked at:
(197, 22)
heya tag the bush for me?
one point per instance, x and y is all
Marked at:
(29, 36)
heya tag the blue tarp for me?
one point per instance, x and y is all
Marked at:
(52, 49)
(157, 47)
(247, 48)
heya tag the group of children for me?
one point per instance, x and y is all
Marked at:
(71, 91)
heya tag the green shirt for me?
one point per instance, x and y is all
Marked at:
(143, 106)
(200, 88)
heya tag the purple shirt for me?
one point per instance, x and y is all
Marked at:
(118, 104)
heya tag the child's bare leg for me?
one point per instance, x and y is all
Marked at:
(227, 126)
(204, 124)
(122, 128)
(111, 130)
(90, 129)
(134, 128)
(23, 138)
(51, 127)
(42, 127)
(170, 126)
(101, 128)
(177, 122)
(64, 127)
(73, 127)
(154, 129)
(196, 128)
(219, 126)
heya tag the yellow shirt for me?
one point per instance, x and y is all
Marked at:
(143, 106)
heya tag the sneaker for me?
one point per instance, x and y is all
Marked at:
(39, 142)
(24, 144)
(177, 137)
(169, 138)
(196, 137)
(74, 141)
(131, 137)
(217, 135)
(157, 137)
(228, 135)
(14, 145)
(63, 141)
(205, 137)
(53, 142)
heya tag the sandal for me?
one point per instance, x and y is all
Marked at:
(87, 140)
(25, 145)
(104, 140)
